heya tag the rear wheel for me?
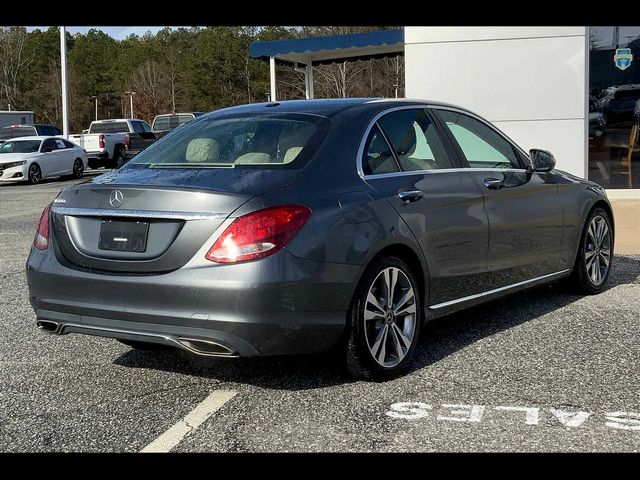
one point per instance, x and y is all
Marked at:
(78, 168)
(385, 321)
(143, 345)
(34, 176)
(595, 253)
(118, 159)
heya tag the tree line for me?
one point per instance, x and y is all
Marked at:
(186, 69)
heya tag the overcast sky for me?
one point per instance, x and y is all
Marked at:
(116, 32)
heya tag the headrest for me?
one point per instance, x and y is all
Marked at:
(203, 150)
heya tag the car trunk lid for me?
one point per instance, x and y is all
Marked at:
(133, 223)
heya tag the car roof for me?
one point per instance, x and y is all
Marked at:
(177, 113)
(113, 120)
(327, 107)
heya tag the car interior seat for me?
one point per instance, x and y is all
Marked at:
(203, 150)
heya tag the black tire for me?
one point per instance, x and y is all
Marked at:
(581, 279)
(118, 159)
(78, 168)
(143, 345)
(93, 163)
(34, 175)
(360, 354)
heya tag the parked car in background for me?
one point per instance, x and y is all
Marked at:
(110, 143)
(38, 129)
(617, 104)
(33, 158)
(298, 226)
(164, 123)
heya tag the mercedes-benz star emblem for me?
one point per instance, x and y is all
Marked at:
(116, 198)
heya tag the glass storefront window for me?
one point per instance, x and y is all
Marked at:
(614, 106)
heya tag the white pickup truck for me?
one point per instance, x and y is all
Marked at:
(110, 143)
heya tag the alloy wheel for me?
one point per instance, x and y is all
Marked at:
(34, 174)
(597, 251)
(390, 317)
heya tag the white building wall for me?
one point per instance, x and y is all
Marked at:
(531, 82)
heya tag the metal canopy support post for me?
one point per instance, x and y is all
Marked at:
(63, 68)
(309, 79)
(272, 74)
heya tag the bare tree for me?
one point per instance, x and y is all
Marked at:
(340, 79)
(152, 85)
(12, 62)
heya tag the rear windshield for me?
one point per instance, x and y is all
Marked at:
(13, 132)
(169, 122)
(111, 127)
(22, 146)
(264, 141)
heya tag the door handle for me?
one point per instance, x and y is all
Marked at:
(493, 183)
(410, 196)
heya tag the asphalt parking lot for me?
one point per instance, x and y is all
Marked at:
(541, 371)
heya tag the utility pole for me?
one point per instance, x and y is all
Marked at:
(131, 94)
(95, 97)
(63, 67)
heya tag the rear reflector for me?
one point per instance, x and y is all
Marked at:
(258, 234)
(41, 240)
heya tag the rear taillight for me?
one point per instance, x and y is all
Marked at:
(126, 141)
(101, 141)
(258, 234)
(41, 240)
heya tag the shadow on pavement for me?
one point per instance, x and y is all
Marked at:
(440, 338)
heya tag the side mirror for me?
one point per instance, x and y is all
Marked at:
(541, 160)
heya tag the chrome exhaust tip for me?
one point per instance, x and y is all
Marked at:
(49, 326)
(205, 347)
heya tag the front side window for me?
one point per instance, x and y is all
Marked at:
(241, 141)
(415, 140)
(49, 144)
(481, 145)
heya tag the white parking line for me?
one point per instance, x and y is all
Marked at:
(172, 437)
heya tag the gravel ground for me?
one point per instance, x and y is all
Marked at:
(567, 364)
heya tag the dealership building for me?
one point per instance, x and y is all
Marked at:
(570, 90)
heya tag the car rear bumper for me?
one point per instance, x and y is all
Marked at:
(278, 305)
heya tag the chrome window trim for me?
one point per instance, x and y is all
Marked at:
(103, 212)
(419, 106)
(495, 290)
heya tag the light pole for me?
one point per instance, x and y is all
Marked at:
(131, 94)
(63, 72)
(95, 97)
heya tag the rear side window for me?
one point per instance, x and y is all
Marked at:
(415, 140)
(109, 127)
(377, 155)
(68, 144)
(262, 141)
(481, 145)
(162, 123)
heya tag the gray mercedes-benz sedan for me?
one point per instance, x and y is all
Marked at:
(295, 227)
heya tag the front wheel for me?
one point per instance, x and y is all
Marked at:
(35, 174)
(595, 253)
(385, 316)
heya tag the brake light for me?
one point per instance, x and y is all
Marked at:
(101, 141)
(258, 234)
(41, 240)
(126, 141)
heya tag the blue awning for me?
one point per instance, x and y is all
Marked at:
(322, 50)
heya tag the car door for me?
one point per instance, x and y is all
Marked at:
(524, 208)
(48, 161)
(406, 160)
(64, 158)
